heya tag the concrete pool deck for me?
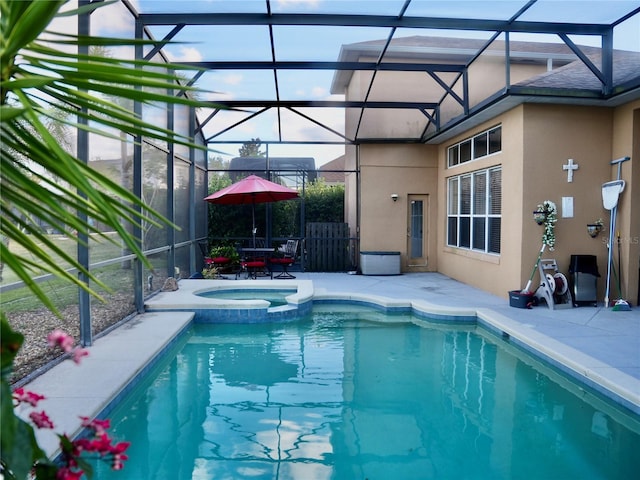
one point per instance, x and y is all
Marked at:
(601, 345)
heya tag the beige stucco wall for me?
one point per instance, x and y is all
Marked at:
(351, 199)
(494, 273)
(389, 123)
(487, 77)
(626, 143)
(404, 170)
(537, 140)
(552, 135)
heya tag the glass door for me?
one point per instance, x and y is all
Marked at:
(417, 231)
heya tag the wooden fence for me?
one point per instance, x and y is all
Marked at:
(328, 247)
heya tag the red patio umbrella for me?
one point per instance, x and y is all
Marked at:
(252, 190)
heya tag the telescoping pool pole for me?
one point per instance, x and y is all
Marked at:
(610, 195)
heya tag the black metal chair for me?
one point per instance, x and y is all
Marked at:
(287, 259)
(204, 248)
(254, 263)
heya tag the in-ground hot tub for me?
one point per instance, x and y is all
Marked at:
(380, 263)
(237, 301)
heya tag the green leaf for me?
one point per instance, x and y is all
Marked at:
(25, 22)
(46, 470)
(39, 177)
(20, 449)
(10, 343)
(26, 82)
(10, 113)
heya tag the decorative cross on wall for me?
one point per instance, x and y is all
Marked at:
(570, 167)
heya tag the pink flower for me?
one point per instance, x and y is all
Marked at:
(98, 426)
(120, 447)
(101, 444)
(78, 353)
(97, 443)
(78, 446)
(58, 338)
(118, 456)
(117, 462)
(21, 395)
(41, 419)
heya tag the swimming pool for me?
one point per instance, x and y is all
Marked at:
(350, 392)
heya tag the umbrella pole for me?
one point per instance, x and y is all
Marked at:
(253, 223)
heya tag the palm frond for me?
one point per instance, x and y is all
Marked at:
(38, 176)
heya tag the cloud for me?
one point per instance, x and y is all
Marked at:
(311, 4)
(319, 92)
(219, 96)
(217, 80)
(232, 79)
(112, 21)
(187, 54)
(315, 92)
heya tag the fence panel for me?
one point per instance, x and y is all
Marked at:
(327, 247)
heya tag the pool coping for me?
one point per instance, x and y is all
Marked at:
(609, 381)
(116, 362)
(110, 371)
(187, 296)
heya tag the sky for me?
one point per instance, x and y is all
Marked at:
(251, 43)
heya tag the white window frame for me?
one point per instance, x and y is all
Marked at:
(461, 218)
(453, 152)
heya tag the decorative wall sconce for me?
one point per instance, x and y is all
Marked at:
(394, 197)
(593, 229)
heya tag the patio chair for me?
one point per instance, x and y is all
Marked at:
(289, 257)
(253, 267)
(204, 249)
(254, 263)
(219, 263)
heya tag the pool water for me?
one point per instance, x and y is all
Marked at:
(275, 297)
(341, 395)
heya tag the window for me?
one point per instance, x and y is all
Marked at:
(481, 145)
(474, 210)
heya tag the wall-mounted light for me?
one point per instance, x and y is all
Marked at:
(593, 229)
(394, 197)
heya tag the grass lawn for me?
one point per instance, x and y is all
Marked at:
(60, 291)
(99, 250)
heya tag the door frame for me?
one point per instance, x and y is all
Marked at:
(418, 263)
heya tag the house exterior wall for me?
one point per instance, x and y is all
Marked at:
(537, 140)
(351, 199)
(487, 76)
(494, 273)
(553, 134)
(404, 170)
(381, 123)
(626, 142)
